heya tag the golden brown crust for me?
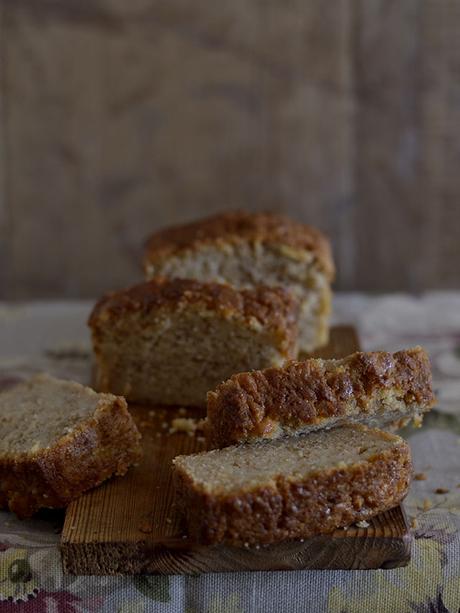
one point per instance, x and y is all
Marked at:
(104, 445)
(274, 308)
(262, 404)
(236, 227)
(297, 507)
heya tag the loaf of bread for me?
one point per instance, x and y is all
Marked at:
(376, 389)
(59, 439)
(291, 488)
(250, 249)
(170, 341)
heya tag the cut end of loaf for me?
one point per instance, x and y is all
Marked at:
(169, 342)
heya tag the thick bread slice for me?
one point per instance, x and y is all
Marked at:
(249, 249)
(291, 488)
(375, 389)
(59, 439)
(170, 341)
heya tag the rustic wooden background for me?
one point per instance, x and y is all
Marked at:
(119, 117)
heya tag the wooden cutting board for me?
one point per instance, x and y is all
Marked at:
(129, 525)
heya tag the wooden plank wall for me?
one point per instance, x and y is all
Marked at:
(119, 117)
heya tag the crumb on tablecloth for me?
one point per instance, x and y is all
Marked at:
(427, 504)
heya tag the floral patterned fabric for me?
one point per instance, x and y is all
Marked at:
(53, 337)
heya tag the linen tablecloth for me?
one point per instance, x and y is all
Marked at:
(53, 337)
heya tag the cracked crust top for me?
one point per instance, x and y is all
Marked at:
(239, 226)
(274, 308)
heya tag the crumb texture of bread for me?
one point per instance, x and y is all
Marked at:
(378, 389)
(58, 439)
(250, 249)
(170, 341)
(291, 488)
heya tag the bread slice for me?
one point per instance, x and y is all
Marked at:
(250, 249)
(170, 341)
(376, 389)
(59, 439)
(291, 488)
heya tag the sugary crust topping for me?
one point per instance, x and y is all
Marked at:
(274, 308)
(236, 227)
(297, 507)
(255, 404)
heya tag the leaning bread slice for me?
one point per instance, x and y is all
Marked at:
(59, 439)
(291, 488)
(375, 389)
(170, 341)
(249, 249)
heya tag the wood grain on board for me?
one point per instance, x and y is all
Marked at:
(130, 525)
